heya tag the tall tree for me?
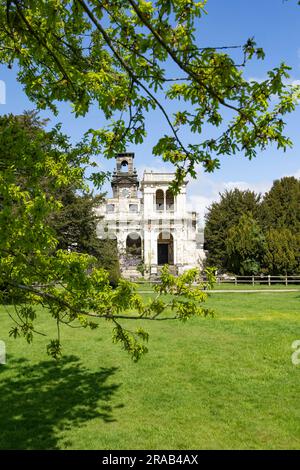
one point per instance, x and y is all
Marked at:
(276, 217)
(282, 254)
(245, 246)
(281, 205)
(223, 215)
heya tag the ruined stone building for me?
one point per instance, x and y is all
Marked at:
(152, 227)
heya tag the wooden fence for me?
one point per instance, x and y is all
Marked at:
(257, 280)
(266, 280)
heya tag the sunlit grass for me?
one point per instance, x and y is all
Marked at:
(223, 382)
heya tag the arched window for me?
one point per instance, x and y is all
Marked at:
(110, 208)
(124, 166)
(159, 200)
(169, 200)
(133, 208)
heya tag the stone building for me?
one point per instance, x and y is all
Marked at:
(152, 227)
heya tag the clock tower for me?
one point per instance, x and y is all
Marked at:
(124, 181)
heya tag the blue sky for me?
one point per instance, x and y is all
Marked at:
(275, 25)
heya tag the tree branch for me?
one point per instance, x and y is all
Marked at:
(129, 71)
(180, 64)
(52, 298)
(44, 43)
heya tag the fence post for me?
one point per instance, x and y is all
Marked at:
(252, 280)
(235, 281)
(286, 280)
(269, 280)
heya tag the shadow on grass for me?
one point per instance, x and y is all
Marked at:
(38, 402)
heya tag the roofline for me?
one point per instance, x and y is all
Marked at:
(143, 182)
(161, 173)
(125, 154)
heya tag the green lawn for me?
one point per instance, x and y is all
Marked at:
(220, 383)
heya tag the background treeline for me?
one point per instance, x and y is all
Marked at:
(247, 234)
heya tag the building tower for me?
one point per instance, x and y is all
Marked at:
(124, 181)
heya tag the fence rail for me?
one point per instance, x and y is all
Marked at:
(243, 280)
(257, 280)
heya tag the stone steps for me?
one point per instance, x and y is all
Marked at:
(130, 273)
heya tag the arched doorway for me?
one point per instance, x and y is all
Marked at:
(134, 245)
(165, 249)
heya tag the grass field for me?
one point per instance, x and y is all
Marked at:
(219, 383)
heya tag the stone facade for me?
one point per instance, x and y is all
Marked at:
(152, 227)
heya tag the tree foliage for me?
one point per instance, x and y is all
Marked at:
(119, 54)
(281, 205)
(246, 234)
(245, 246)
(282, 253)
(75, 226)
(220, 217)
